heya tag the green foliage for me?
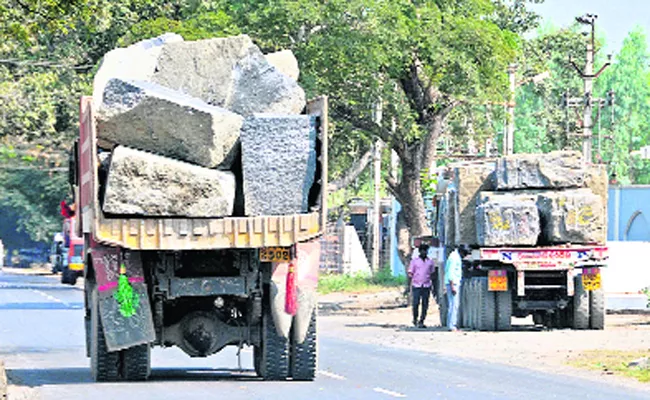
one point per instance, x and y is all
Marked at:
(359, 282)
(613, 361)
(629, 78)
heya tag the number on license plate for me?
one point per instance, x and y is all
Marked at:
(498, 281)
(275, 254)
(591, 281)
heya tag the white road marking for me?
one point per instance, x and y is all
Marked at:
(332, 375)
(389, 392)
(50, 297)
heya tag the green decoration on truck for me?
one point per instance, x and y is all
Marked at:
(126, 297)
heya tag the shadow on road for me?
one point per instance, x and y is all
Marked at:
(407, 328)
(71, 376)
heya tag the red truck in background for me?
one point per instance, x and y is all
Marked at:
(66, 254)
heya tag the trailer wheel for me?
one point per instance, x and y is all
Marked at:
(68, 277)
(462, 309)
(274, 350)
(504, 311)
(597, 309)
(136, 363)
(580, 305)
(104, 365)
(303, 355)
(443, 308)
(487, 306)
(471, 303)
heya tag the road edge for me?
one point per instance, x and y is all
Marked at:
(3, 381)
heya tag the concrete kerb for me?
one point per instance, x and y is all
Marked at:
(3, 381)
(27, 271)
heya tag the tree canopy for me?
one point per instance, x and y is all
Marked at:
(406, 72)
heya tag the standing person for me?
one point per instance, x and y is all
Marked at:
(420, 271)
(453, 276)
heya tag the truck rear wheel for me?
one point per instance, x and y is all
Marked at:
(104, 365)
(487, 306)
(462, 309)
(68, 277)
(580, 305)
(273, 351)
(136, 363)
(443, 308)
(597, 309)
(504, 311)
(303, 355)
(471, 303)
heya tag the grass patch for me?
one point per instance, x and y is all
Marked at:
(359, 283)
(613, 361)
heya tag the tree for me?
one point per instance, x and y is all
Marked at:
(629, 78)
(419, 60)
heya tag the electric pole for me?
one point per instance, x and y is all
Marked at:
(588, 100)
(509, 138)
(376, 206)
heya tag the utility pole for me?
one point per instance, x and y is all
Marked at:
(509, 137)
(588, 100)
(376, 209)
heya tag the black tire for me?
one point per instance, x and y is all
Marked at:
(257, 360)
(487, 306)
(462, 309)
(65, 276)
(303, 355)
(136, 363)
(471, 303)
(104, 365)
(69, 277)
(597, 309)
(504, 311)
(274, 360)
(580, 305)
(443, 308)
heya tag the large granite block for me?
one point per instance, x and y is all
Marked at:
(279, 163)
(261, 88)
(226, 72)
(144, 184)
(285, 62)
(572, 216)
(470, 179)
(136, 62)
(154, 118)
(507, 221)
(560, 169)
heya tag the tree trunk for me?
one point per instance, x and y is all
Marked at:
(412, 221)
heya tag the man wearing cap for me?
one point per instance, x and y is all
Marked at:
(420, 272)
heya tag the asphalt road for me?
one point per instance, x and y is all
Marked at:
(42, 344)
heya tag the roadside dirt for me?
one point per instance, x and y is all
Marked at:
(383, 319)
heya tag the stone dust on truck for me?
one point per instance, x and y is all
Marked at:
(534, 230)
(199, 176)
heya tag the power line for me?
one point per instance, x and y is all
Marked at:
(44, 64)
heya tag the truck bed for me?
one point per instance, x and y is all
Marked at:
(192, 233)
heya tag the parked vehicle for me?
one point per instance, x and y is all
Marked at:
(199, 284)
(72, 248)
(559, 285)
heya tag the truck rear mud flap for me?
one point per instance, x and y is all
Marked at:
(122, 331)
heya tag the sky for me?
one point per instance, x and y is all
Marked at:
(615, 17)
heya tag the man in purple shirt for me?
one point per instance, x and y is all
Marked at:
(420, 272)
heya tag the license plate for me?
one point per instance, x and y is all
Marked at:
(498, 281)
(591, 279)
(275, 254)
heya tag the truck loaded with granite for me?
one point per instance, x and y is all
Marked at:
(199, 177)
(534, 230)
